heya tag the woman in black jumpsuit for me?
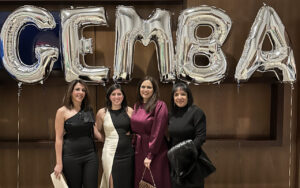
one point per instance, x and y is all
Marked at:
(186, 121)
(76, 154)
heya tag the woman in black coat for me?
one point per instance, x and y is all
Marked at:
(186, 122)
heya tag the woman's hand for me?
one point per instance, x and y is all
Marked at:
(57, 170)
(147, 162)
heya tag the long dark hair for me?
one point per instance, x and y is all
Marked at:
(108, 93)
(181, 86)
(150, 105)
(67, 100)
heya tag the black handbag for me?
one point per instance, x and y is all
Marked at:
(184, 159)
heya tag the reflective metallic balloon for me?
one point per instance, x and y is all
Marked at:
(75, 46)
(129, 28)
(46, 55)
(280, 58)
(189, 45)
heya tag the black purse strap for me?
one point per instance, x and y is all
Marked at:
(150, 175)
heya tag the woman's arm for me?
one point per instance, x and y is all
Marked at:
(59, 131)
(160, 124)
(129, 113)
(98, 125)
(97, 134)
(200, 128)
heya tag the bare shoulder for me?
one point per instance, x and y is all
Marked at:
(101, 112)
(61, 111)
(61, 114)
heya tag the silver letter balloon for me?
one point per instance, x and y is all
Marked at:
(189, 45)
(279, 59)
(75, 46)
(10, 32)
(129, 28)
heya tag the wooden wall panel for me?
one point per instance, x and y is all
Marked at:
(38, 105)
(235, 112)
(248, 167)
(36, 163)
(9, 110)
(9, 165)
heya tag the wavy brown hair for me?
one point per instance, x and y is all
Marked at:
(67, 101)
(150, 105)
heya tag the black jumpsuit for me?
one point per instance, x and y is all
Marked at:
(80, 159)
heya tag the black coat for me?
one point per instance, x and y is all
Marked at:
(189, 163)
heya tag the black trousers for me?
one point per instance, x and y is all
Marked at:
(81, 170)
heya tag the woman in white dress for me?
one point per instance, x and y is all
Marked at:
(117, 153)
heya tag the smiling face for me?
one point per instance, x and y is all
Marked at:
(146, 90)
(78, 93)
(116, 98)
(180, 98)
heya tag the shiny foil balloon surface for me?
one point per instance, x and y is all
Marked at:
(190, 45)
(129, 28)
(279, 60)
(75, 46)
(10, 33)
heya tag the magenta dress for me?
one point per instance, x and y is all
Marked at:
(150, 142)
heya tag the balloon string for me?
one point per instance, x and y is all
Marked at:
(238, 88)
(291, 127)
(18, 152)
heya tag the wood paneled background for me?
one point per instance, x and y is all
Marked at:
(252, 129)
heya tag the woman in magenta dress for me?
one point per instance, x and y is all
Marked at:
(149, 123)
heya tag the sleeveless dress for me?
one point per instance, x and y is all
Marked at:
(79, 154)
(117, 153)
